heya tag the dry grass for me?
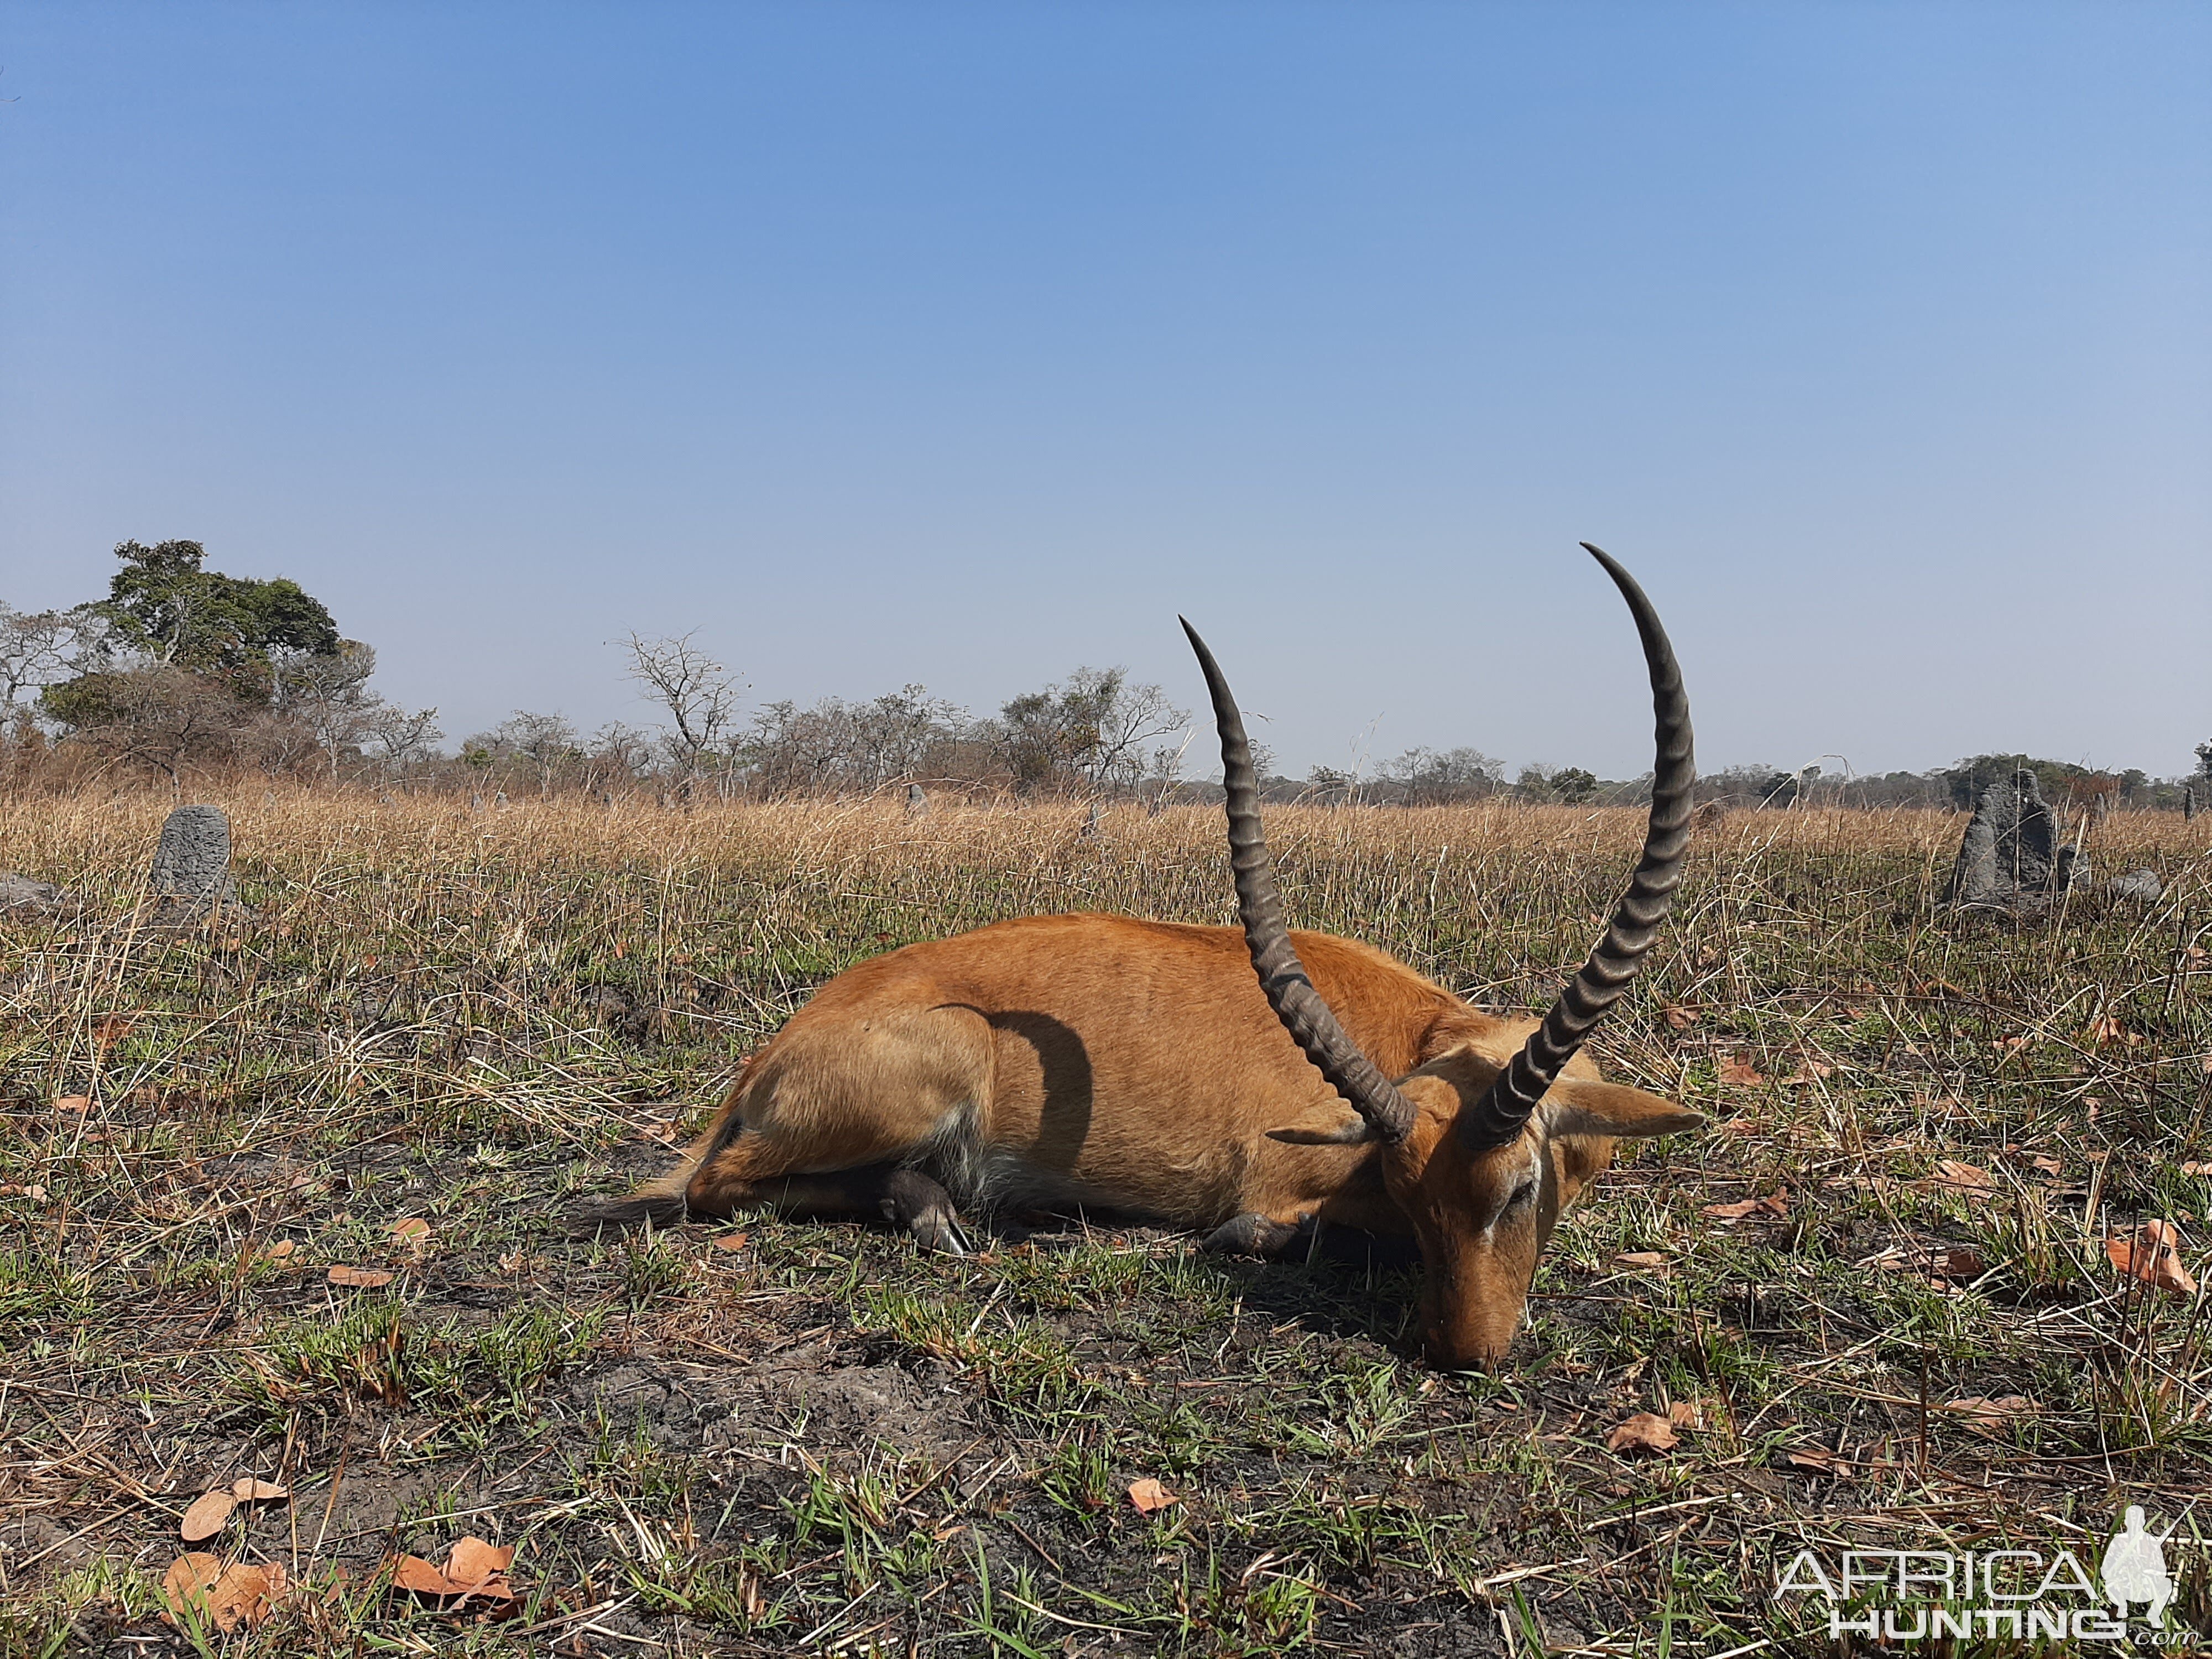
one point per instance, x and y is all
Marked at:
(818, 1440)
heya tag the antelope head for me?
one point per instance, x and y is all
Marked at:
(1479, 1150)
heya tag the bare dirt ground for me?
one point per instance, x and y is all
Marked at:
(1876, 1303)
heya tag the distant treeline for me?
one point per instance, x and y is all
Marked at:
(184, 670)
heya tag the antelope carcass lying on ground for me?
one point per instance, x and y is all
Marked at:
(1142, 1066)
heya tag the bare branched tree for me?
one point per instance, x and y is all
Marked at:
(542, 745)
(328, 694)
(37, 648)
(1423, 777)
(402, 740)
(700, 695)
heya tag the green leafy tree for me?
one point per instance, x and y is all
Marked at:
(164, 605)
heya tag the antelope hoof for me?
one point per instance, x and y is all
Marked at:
(940, 1232)
(1253, 1234)
(914, 1202)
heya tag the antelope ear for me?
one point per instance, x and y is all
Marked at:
(1583, 1106)
(1357, 1133)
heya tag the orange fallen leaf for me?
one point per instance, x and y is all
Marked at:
(476, 1564)
(207, 1515)
(74, 1104)
(1680, 1019)
(257, 1491)
(474, 1570)
(1959, 1262)
(666, 1133)
(2152, 1254)
(411, 1233)
(1963, 1177)
(281, 1248)
(1820, 1458)
(1986, 1416)
(735, 1241)
(1645, 1261)
(1149, 1497)
(226, 1594)
(1775, 1203)
(412, 1573)
(188, 1579)
(1646, 1431)
(1738, 1068)
(367, 1279)
(2193, 1167)
(2053, 1166)
(1808, 1070)
(1687, 1413)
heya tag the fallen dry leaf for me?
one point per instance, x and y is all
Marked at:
(1687, 1413)
(1645, 1261)
(2152, 1254)
(412, 1573)
(36, 1193)
(367, 1279)
(74, 1104)
(1820, 1458)
(188, 1578)
(666, 1133)
(1963, 1177)
(1958, 1262)
(281, 1248)
(2051, 1166)
(1680, 1019)
(256, 1490)
(1738, 1068)
(1774, 1204)
(735, 1241)
(476, 1564)
(1149, 1497)
(228, 1595)
(412, 1231)
(1646, 1431)
(207, 1515)
(475, 1570)
(1988, 1416)
(2193, 1167)
(1808, 1070)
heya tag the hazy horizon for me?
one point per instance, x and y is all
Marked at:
(962, 346)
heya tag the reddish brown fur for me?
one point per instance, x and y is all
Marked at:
(1103, 1059)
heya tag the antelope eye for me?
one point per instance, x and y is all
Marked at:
(1522, 1196)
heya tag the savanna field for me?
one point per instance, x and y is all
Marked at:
(284, 1200)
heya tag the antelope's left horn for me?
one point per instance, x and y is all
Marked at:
(1504, 1106)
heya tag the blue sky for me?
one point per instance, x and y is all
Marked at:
(963, 343)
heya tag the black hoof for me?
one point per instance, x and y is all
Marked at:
(914, 1202)
(1252, 1234)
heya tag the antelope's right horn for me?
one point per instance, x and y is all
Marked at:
(1389, 1115)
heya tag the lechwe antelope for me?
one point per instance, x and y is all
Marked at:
(1140, 1065)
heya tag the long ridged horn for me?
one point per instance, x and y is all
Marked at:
(1498, 1116)
(1388, 1115)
